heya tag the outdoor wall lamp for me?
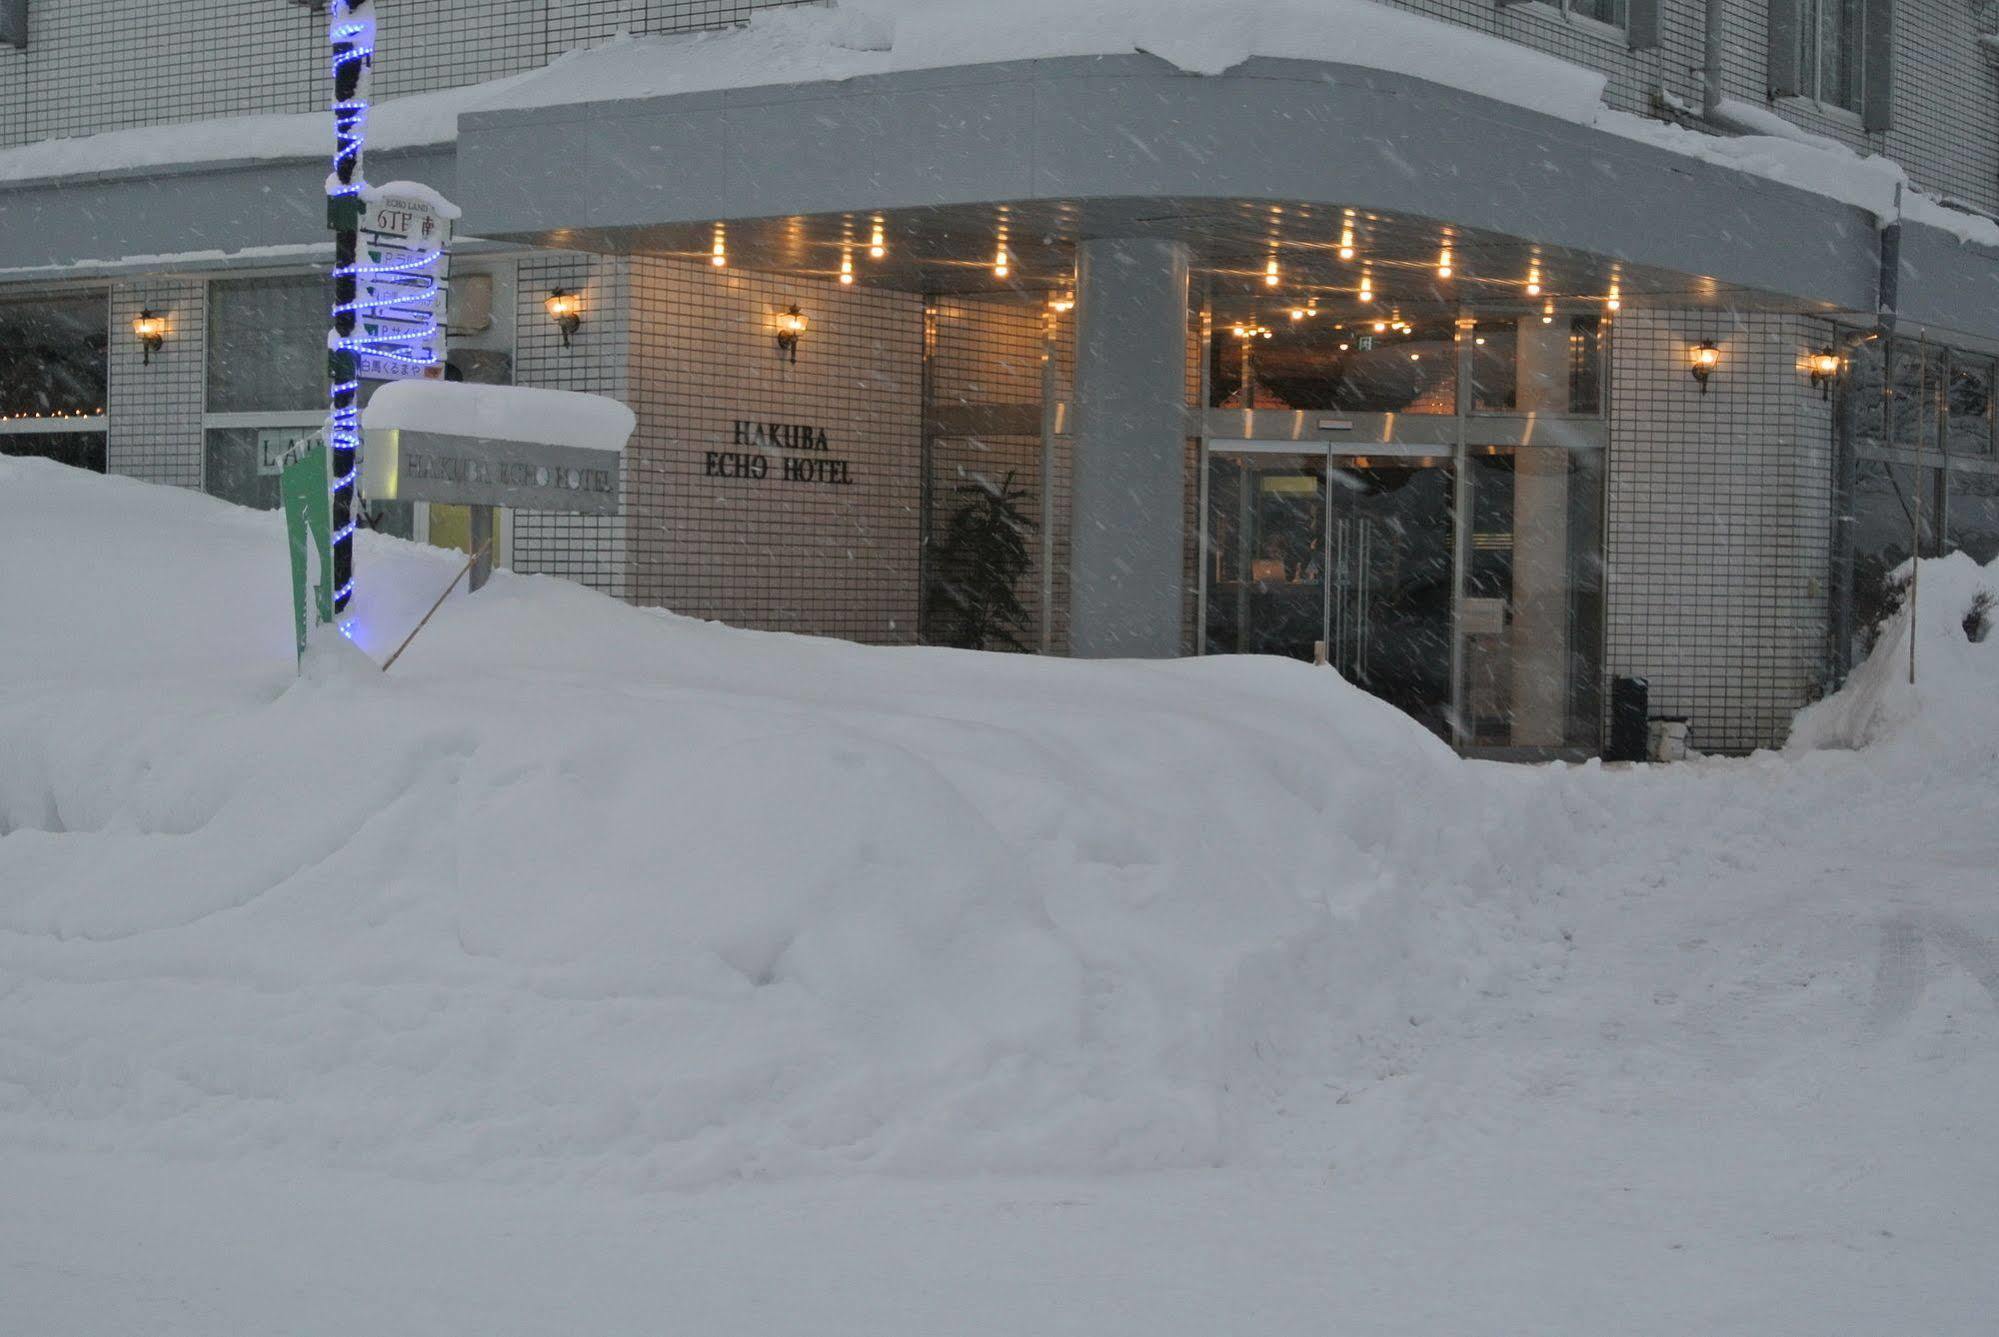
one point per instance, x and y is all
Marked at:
(150, 328)
(791, 327)
(1702, 359)
(1825, 370)
(565, 308)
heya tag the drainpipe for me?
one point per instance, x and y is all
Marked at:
(1711, 62)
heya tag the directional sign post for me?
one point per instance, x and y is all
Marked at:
(403, 244)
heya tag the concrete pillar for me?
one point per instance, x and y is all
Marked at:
(1127, 501)
(1538, 639)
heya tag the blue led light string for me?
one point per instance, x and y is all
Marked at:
(351, 33)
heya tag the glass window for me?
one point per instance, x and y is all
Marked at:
(1536, 364)
(1614, 12)
(267, 345)
(1830, 39)
(53, 357)
(1354, 366)
(1974, 515)
(1532, 615)
(1916, 378)
(1896, 507)
(82, 450)
(1970, 406)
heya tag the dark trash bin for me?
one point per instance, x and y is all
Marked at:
(1630, 714)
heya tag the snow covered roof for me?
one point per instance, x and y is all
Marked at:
(868, 37)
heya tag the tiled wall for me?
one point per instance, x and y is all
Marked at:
(1946, 121)
(585, 548)
(94, 65)
(1719, 515)
(154, 427)
(835, 558)
(104, 64)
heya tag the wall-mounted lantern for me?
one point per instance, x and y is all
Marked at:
(791, 327)
(1825, 370)
(149, 327)
(565, 308)
(1702, 359)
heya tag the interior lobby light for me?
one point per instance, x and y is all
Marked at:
(718, 255)
(1062, 304)
(1002, 262)
(846, 267)
(1548, 313)
(1615, 301)
(1366, 287)
(1444, 263)
(1702, 359)
(150, 328)
(1346, 244)
(565, 309)
(1534, 281)
(877, 241)
(1271, 277)
(1298, 313)
(791, 327)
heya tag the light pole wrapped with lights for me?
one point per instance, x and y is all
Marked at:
(351, 32)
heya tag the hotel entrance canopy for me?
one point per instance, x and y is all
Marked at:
(1273, 152)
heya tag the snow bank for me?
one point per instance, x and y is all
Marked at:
(503, 413)
(583, 890)
(1953, 705)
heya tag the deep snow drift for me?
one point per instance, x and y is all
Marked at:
(580, 899)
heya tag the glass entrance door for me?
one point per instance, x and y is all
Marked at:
(1349, 555)
(1390, 628)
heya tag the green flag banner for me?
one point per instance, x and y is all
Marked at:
(309, 528)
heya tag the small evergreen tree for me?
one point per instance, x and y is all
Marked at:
(984, 554)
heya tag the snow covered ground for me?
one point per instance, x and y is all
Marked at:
(600, 971)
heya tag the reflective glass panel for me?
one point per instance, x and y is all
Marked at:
(53, 357)
(1970, 406)
(1896, 506)
(1974, 515)
(1350, 366)
(1532, 615)
(82, 450)
(1532, 364)
(266, 345)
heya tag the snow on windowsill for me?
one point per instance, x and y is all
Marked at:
(867, 37)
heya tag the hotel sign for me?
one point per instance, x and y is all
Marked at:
(403, 465)
(802, 454)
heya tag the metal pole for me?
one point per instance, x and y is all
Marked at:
(1050, 344)
(482, 546)
(351, 33)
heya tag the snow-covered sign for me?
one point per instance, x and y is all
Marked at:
(495, 445)
(403, 254)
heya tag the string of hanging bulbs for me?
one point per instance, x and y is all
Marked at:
(1445, 267)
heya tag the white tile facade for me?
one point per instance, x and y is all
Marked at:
(94, 65)
(154, 423)
(1719, 522)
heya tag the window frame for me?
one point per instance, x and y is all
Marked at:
(1811, 55)
(1639, 31)
(97, 422)
(1787, 30)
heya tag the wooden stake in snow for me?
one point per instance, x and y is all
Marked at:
(477, 553)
